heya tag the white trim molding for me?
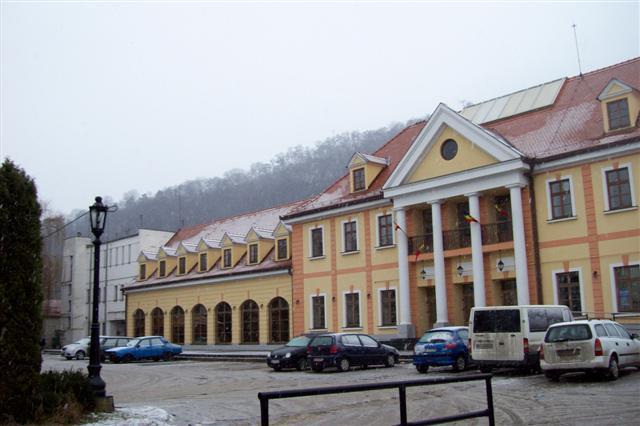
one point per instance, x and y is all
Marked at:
(344, 310)
(605, 189)
(612, 277)
(326, 319)
(380, 290)
(377, 225)
(324, 248)
(355, 220)
(547, 185)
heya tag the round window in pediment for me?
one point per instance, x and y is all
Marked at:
(449, 149)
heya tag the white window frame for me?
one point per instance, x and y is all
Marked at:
(231, 258)
(605, 189)
(286, 239)
(257, 245)
(380, 290)
(612, 278)
(311, 256)
(357, 250)
(393, 237)
(554, 279)
(326, 318)
(344, 310)
(574, 213)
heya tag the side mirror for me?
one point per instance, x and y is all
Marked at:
(634, 335)
(138, 345)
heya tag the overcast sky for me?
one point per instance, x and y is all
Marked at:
(99, 98)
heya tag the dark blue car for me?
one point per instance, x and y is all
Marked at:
(441, 347)
(147, 347)
(343, 350)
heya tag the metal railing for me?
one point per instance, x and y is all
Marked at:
(265, 397)
(492, 233)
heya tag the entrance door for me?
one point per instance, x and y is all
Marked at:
(508, 292)
(431, 307)
(467, 302)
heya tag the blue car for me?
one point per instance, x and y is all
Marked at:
(147, 347)
(441, 347)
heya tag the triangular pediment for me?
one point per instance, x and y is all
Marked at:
(281, 230)
(166, 252)
(614, 88)
(428, 157)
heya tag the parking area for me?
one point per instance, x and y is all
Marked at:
(225, 393)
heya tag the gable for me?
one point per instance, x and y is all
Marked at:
(433, 164)
(281, 230)
(252, 236)
(614, 88)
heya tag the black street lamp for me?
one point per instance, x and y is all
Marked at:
(98, 216)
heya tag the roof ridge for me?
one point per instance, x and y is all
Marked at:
(279, 206)
(608, 67)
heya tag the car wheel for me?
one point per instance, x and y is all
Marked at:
(422, 368)
(156, 358)
(486, 369)
(390, 361)
(344, 364)
(127, 358)
(460, 364)
(80, 355)
(301, 364)
(554, 377)
(167, 356)
(613, 371)
(114, 359)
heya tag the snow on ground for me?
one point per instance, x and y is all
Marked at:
(133, 416)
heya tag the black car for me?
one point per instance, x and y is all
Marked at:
(291, 355)
(343, 350)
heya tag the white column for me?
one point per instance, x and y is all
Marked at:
(519, 245)
(403, 265)
(442, 314)
(476, 251)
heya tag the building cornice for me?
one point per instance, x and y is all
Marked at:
(336, 210)
(600, 152)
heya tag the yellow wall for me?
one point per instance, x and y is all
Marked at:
(633, 100)
(313, 286)
(351, 259)
(371, 171)
(469, 156)
(261, 290)
(317, 264)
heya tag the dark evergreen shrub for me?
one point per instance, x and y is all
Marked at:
(65, 396)
(20, 295)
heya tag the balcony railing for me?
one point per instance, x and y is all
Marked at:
(492, 233)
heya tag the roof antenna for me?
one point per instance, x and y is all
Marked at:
(575, 36)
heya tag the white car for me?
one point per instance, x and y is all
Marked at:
(590, 346)
(77, 350)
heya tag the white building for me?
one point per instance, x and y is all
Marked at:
(118, 266)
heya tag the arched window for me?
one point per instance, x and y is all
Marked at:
(250, 314)
(177, 325)
(279, 320)
(138, 323)
(157, 322)
(199, 325)
(223, 323)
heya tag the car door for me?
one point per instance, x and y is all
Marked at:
(616, 343)
(373, 352)
(630, 353)
(143, 349)
(352, 348)
(156, 347)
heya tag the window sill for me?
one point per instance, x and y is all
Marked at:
(349, 253)
(352, 328)
(318, 257)
(626, 209)
(319, 329)
(387, 327)
(385, 247)
(564, 219)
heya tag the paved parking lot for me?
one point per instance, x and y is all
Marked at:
(225, 393)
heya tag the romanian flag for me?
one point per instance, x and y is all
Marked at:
(470, 218)
(501, 211)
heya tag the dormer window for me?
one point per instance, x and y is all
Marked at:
(358, 180)
(226, 258)
(283, 251)
(618, 113)
(182, 265)
(143, 271)
(203, 262)
(162, 268)
(253, 254)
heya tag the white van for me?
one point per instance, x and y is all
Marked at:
(509, 336)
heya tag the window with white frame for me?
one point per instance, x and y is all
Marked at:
(560, 199)
(352, 309)
(317, 242)
(568, 288)
(282, 251)
(350, 236)
(385, 230)
(627, 287)
(618, 114)
(618, 188)
(388, 315)
(253, 253)
(358, 180)
(226, 258)
(318, 312)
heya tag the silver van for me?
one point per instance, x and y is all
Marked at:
(509, 336)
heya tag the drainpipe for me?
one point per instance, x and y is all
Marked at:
(536, 239)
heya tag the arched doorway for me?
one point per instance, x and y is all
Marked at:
(157, 322)
(177, 325)
(138, 323)
(278, 320)
(199, 325)
(250, 315)
(223, 323)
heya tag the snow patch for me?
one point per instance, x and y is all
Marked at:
(133, 416)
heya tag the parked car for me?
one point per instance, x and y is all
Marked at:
(509, 336)
(110, 342)
(442, 346)
(590, 346)
(78, 349)
(147, 347)
(291, 355)
(343, 350)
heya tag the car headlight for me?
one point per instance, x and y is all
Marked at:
(288, 355)
(418, 350)
(269, 355)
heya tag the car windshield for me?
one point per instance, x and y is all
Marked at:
(437, 336)
(298, 342)
(84, 341)
(133, 342)
(567, 333)
(322, 341)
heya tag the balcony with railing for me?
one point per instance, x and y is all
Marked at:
(492, 233)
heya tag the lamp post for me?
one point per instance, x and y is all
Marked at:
(98, 216)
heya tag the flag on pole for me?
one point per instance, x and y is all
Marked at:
(470, 218)
(501, 211)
